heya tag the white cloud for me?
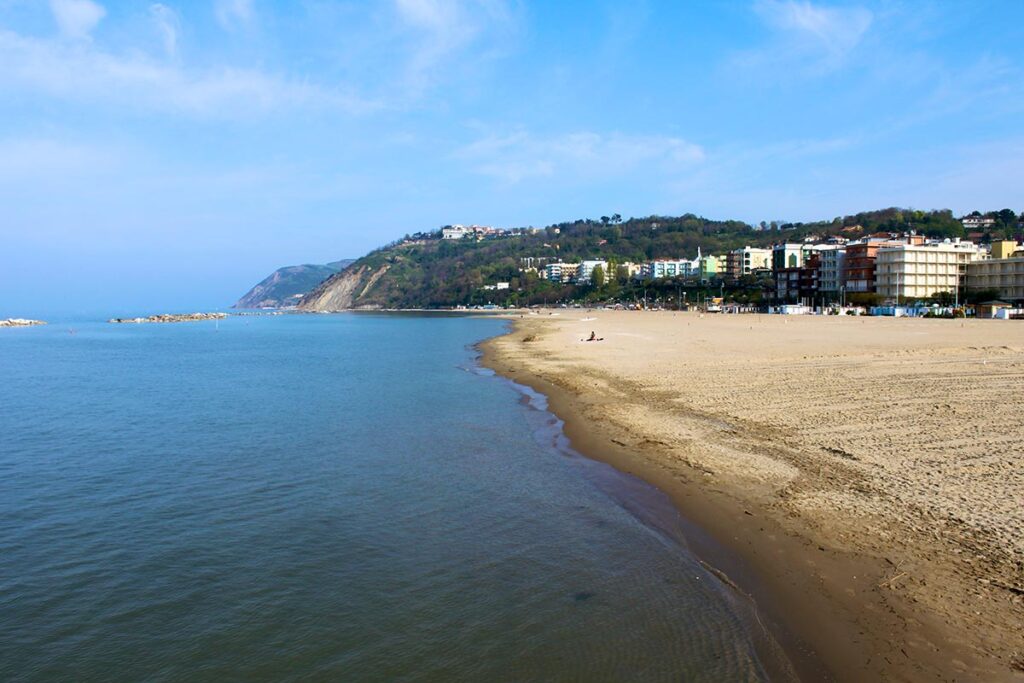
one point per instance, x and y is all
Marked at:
(436, 15)
(83, 72)
(835, 29)
(441, 29)
(167, 22)
(520, 155)
(807, 40)
(233, 13)
(76, 18)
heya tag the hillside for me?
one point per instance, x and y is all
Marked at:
(422, 271)
(285, 286)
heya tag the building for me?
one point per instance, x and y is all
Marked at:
(800, 284)
(918, 271)
(654, 270)
(1003, 272)
(632, 270)
(793, 255)
(478, 232)
(746, 261)
(991, 309)
(787, 255)
(809, 278)
(561, 272)
(586, 270)
(709, 267)
(454, 232)
(1005, 249)
(976, 222)
(830, 276)
(534, 262)
(859, 264)
(787, 284)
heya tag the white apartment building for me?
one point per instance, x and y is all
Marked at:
(830, 273)
(659, 269)
(917, 271)
(976, 222)
(454, 232)
(586, 270)
(561, 272)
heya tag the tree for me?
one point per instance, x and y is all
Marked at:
(597, 277)
(979, 296)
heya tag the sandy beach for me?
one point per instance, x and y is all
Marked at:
(861, 478)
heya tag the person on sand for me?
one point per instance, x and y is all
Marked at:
(594, 337)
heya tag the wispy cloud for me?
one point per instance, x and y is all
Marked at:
(806, 39)
(169, 25)
(441, 29)
(76, 18)
(835, 30)
(87, 73)
(518, 156)
(234, 13)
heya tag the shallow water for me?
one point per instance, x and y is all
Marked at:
(341, 497)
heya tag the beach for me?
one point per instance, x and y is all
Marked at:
(860, 478)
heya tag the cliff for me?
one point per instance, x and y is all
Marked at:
(351, 288)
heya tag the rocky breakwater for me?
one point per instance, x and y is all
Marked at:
(20, 322)
(171, 318)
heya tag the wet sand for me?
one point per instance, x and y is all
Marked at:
(860, 478)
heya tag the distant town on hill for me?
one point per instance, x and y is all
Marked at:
(671, 258)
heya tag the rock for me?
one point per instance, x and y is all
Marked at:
(171, 318)
(21, 322)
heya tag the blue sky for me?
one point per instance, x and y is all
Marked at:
(167, 155)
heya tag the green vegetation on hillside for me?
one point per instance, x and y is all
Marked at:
(425, 272)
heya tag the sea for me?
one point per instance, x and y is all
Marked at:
(341, 497)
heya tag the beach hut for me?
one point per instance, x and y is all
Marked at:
(990, 309)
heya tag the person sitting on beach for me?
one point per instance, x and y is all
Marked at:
(594, 337)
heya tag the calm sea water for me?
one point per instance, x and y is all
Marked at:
(325, 497)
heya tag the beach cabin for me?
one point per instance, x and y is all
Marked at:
(896, 311)
(991, 309)
(793, 309)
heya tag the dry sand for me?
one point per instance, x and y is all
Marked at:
(862, 478)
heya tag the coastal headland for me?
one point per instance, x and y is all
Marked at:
(860, 478)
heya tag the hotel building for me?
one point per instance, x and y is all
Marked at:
(1003, 272)
(586, 270)
(917, 271)
(659, 269)
(740, 262)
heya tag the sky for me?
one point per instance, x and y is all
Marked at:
(165, 156)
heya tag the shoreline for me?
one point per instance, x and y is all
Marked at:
(663, 515)
(830, 608)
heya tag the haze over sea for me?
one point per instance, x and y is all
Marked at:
(341, 497)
